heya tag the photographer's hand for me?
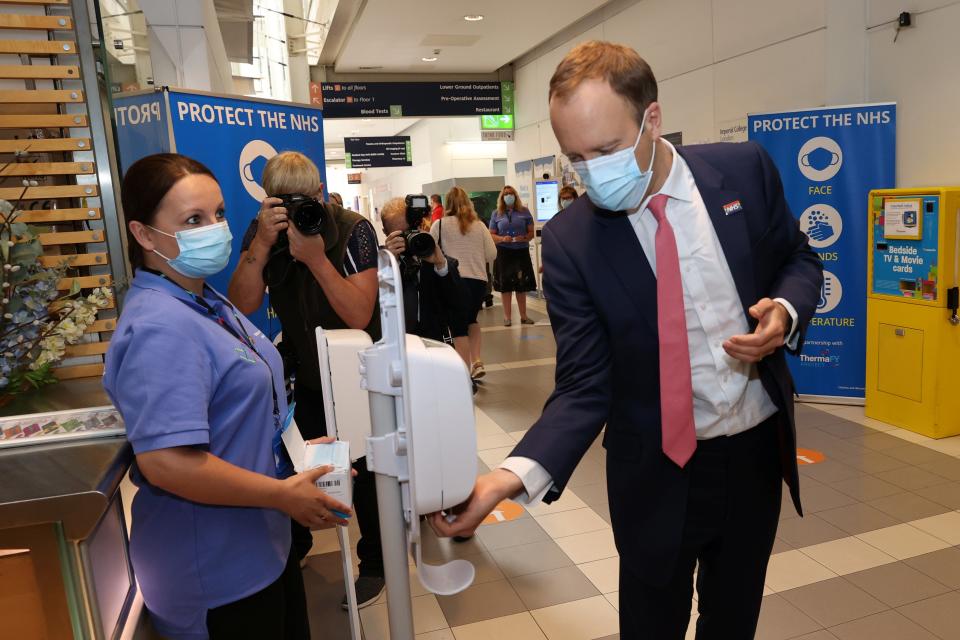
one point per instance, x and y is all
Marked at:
(437, 259)
(395, 243)
(310, 250)
(271, 220)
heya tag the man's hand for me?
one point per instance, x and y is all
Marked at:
(437, 259)
(271, 220)
(395, 243)
(490, 489)
(774, 322)
(310, 250)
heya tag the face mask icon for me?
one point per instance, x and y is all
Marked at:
(820, 158)
(253, 170)
(250, 165)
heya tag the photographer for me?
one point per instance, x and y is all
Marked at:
(320, 264)
(432, 290)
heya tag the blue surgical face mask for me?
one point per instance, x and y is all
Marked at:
(203, 252)
(565, 202)
(614, 182)
(509, 199)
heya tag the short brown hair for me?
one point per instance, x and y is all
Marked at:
(621, 67)
(569, 192)
(145, 184)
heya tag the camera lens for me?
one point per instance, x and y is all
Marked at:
(308, 216)
(420, 244)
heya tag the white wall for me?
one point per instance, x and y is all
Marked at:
(718, 60)
(436, 156)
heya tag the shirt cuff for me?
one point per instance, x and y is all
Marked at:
(793, 336)
(443, 272)
(536, 480)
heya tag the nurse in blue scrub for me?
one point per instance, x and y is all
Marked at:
(201, 392)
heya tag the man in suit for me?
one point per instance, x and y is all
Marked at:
(674, 290)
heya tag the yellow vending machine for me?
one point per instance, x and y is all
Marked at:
(913, 330)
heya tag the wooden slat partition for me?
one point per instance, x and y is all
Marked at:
(81, 371)
(102, 326)
(38, 71)
(35, 121)
(38, 47)
(46, 169)
(44, 216)
(30, 109)
(45, 144)
(85, 282)
(46, 193)
(86, 349)
(39, 23)
(77, 260)
(70, 237)
(26, 96)
(36, 2)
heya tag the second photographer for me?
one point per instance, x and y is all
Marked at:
(433, 293)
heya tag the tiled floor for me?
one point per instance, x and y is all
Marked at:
(877, 556)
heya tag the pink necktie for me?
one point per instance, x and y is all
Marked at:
(676, 389)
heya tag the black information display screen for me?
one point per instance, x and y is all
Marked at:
(416, 99)
(365, 153)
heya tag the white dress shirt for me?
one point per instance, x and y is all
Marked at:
(728, 396)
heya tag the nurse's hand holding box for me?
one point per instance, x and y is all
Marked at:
(324, 462)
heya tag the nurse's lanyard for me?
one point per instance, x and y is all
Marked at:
(284, 466)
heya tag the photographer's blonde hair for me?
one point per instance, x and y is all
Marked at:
(291, 172)
(459, 204)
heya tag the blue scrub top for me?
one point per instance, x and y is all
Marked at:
(179, 379)
(514, 224)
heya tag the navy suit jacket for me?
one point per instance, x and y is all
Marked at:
(602, 305)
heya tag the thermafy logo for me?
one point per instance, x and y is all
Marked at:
(252, 160)
(823, 359)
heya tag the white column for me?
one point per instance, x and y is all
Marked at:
(846, 59)
(186, 46)
(298, 66)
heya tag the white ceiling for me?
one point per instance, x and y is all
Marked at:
(393, 35)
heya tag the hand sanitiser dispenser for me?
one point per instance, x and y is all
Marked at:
(406, 403)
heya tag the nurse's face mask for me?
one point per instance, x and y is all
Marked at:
(203, 252)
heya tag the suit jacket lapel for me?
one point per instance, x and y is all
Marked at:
(731, 229)
(618, 243)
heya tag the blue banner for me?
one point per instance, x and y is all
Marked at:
(142, 126)
(829, 159)
(235, 137)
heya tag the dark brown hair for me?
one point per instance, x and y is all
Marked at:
(145, 184)
(436, 198)
(621, 67)
(567, 190)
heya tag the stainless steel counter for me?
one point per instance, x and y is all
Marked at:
(70, 483)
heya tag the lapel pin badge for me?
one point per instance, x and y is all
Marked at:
(732, 207)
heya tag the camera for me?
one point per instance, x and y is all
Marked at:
(419, 243)
(307, 214)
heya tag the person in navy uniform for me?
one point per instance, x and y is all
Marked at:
(676, 288)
